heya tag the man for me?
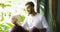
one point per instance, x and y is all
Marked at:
(35, 21)
(17, 27)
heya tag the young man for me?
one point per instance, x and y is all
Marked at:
(17, 27)
(35, 21)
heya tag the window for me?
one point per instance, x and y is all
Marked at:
(9, 8)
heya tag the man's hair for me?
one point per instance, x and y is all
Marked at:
(30, 3)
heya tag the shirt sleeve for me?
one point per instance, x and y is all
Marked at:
(24, 25)
(44, 22)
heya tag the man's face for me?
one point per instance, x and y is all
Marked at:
(29, 9)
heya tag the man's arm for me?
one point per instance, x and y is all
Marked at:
(45, 24)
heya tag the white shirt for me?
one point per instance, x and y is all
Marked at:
(37, 21)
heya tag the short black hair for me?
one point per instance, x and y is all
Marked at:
(30, 3)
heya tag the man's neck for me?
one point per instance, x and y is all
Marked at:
(33, 14)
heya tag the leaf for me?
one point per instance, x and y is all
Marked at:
(10, 24)
(22, 17)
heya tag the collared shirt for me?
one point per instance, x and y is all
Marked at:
(37, 21)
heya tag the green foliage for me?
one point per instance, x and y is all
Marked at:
(5, 27)
(41, 11)
(24, 9)
(2, 18)
(4, 5)
(42, 8)
(22, 17)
